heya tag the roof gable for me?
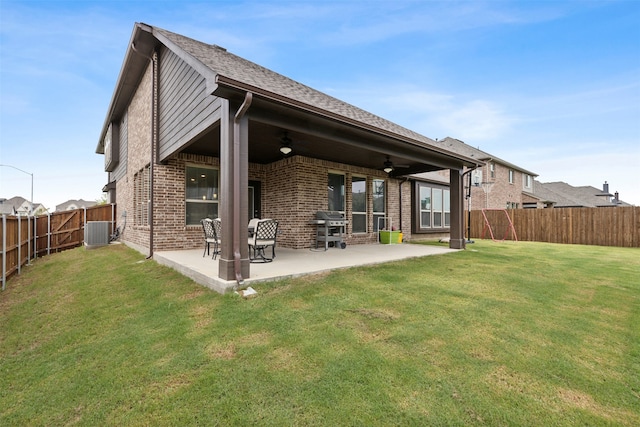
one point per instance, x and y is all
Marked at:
(227, 74)
(226, 64)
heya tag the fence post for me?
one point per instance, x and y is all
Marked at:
(35, 237)
(28, 239)
(48, 234)
(4, 250)
(19, 243)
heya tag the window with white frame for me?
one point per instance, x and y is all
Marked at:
(510, 176)
(434, 207)
(359, 204)
(201, 194)
(379, 205)
(492, 170)
(436, 195)
(425, 207)
(447, 208)
(527, 182)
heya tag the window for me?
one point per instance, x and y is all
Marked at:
(425, 207)
(379, 204)
(201, 194)
(336, 192)
(359, 204)
(510, 176)
(492, 170)
(527, 181)
(436, 194)
(447, 208)
(434, 207)
(141, 196)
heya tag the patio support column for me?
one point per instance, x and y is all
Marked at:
(456, 185)
(227, 213)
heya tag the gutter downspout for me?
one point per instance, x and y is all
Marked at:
(236, 186)
(468, 197)
(154, 114)
(405, 179)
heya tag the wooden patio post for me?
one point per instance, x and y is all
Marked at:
(456, 184)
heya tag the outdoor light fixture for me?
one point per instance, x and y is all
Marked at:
(388, 166)
(286, 145)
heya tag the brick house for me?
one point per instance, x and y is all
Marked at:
(495, 183)
(193, 131)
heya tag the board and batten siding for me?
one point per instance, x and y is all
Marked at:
(121, 169)
(186, 110)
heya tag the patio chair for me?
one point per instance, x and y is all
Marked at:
(210, 237)
(252, 225)
(217, 227)
(263, 236)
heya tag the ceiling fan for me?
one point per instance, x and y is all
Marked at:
(285, 141)
(390, 167)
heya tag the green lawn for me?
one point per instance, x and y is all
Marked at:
(500, 334)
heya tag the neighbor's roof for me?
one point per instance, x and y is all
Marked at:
(460, 147)
(566, 195)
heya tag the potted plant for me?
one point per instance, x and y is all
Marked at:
(390, 236)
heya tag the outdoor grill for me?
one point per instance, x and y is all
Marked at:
(330, 228)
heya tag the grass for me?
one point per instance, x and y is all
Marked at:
(500, 334)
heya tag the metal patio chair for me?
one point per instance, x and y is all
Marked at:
(210, 237)
(263, 236)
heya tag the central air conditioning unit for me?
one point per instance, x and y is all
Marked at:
(96, 233)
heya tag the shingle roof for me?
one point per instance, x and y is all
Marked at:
(565, 195)
(460, 147)
(234, 67)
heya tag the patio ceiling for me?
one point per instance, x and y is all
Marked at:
(322, 138)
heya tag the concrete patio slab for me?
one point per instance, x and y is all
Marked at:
(291, 262)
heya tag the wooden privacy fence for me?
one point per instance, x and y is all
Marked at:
(26, 238)
(618, 226)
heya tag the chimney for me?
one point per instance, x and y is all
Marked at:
(605, 188)
(616, 200)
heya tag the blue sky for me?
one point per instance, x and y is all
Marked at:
(551, 86)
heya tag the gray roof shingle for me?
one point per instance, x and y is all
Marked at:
(224, 63)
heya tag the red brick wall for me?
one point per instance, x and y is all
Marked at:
(139, 143)
(496, 192)
(293, 189)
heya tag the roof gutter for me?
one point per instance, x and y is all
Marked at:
(236, 186)
(221, 80)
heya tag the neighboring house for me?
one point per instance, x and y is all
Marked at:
(193, 131)
(495, 184)
(70, 205)
(20, 206)
(563, 195)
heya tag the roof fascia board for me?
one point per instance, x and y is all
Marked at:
(144, 34)
(126, 82)
(224, 82)
(505, 163)
(117, 92)
(206, 72)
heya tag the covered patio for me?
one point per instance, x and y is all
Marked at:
(292, 262)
